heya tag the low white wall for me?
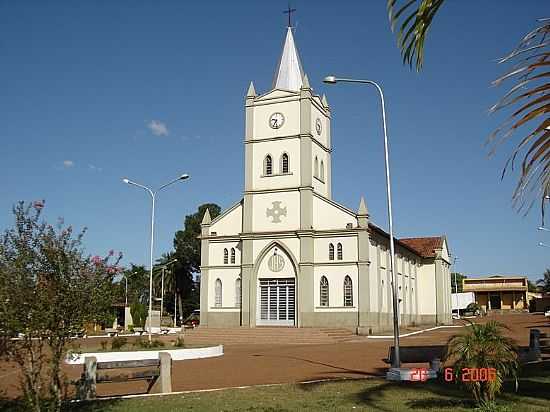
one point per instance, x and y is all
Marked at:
(176, 354)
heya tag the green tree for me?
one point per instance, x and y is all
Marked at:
(187, 247)
(529, 98)
(483, 346)
(138, 284)
(458, 283)
(139, 314)
(532, 287)
(49, 291)
(544, 283)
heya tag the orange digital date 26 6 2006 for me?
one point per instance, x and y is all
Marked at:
(471, 374)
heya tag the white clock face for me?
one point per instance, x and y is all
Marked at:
(318, 126)
(276, 120)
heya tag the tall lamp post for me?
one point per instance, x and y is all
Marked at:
(163, 268)
(456, 288)
(153, 194)
(334, 80)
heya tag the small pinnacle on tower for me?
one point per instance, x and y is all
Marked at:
(251, 90)
(324, 101)
(363, 211)
(206, 219)
(305, 82)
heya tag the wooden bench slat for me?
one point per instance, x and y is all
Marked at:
(128, 364)
(124, 377)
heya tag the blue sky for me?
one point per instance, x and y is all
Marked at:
(91, 92)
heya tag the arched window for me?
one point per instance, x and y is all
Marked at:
(323, 297)
(218, 294)
(238, 292)
(322, 171)
(316, 167)
(268, 166)
(348, 291)
(284, 163)
(225, 257)
(232, 255)
(339, 251)
(330, 251)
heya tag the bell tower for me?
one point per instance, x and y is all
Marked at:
(287, 149)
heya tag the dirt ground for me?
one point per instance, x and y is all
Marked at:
(244, 364)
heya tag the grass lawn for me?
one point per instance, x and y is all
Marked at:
(349, 395)
(356, 395)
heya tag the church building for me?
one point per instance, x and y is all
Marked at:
(287, 254)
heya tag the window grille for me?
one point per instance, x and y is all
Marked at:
(268, 166)
(218, 294)
(348, 291)
(232, 255)
(340, 253)
(330, 251)
(284, 163)
(324, 300)
(225, 257)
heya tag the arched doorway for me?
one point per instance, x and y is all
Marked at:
(276, 289)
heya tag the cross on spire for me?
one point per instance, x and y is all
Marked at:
(289, 11)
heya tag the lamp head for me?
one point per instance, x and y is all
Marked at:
(184, 176)
(330, 80)
(125, 180)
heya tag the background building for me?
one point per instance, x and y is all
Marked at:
(498, 291)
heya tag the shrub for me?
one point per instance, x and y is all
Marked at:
(103, 344)
(139, 314)
(118, 342)
(178, 343)
(483, 346)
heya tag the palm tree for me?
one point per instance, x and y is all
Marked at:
(529, 97)
(483, 346)
(544, 283)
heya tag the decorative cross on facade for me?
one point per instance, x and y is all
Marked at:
(276, 212)
(289, 11)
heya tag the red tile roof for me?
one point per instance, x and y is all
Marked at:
(424, 246)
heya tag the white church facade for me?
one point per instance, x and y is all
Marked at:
(287, 254)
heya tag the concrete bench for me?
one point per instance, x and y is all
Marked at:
(158, 375)
(418, 354)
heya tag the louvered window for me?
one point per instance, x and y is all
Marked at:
(225, 257)
(238, 295)
(339, 250)
(323, 298)
(232, 255)
(330, 251)
(218, 294)
(348, 291)
(284, 163)
(268, 166)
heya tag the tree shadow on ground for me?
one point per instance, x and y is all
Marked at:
(17, 405)
(314, 362)
(446, 396)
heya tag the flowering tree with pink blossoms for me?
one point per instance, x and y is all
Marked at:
(49, 290)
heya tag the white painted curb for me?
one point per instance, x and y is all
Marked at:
(176, 354)
(414, 333)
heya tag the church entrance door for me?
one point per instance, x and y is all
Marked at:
(277, 302)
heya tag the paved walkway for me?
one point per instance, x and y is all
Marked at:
(245, 364)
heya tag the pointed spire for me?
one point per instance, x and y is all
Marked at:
(305, 82)
(289, 71)
(363, 211)
(324, 101)
(206, 219)
(251, 90)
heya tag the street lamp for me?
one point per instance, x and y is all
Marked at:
(153, 194)
(334, 80)
(163, 267)
(456, 288)
(126, 291)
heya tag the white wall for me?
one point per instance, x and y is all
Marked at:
(228, 276)
(289, 109)
(327, 216)
(426, 290)
(276, 149)
(335, 275)
(215, 253)
(321, 247)
(230, 224)
(264, 201)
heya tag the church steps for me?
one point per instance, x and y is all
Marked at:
(269, 335)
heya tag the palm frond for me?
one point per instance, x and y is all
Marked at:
(531, 93)
(413, 27)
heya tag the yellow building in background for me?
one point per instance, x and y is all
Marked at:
(498, 292)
